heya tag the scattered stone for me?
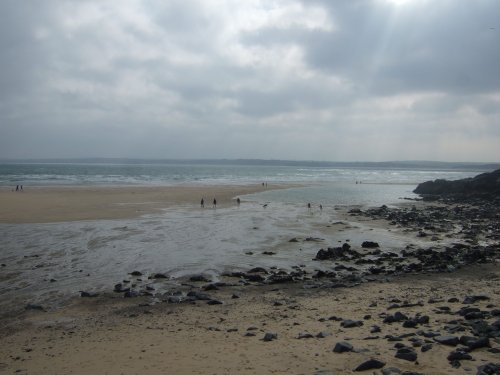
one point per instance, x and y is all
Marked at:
(88, 294)
(370, 365)
(118, 288)
(136, 273)
(159, 276)
(458, 355)
(473, 299)
(473, 343)
(199, 278)
(406, 353)
(305, 335)
(426, 347)
(215, 302)
(322, 335)
(342, 347)
(369, 244)
(447, 340)
(31, 306)
(348, 323)
(269, 336)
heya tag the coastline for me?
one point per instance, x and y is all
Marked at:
(219, 326)
(114, 335)
(73, 203)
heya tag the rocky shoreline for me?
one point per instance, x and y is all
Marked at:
(463, 327)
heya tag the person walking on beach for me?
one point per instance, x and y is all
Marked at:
(215, 203)
(309, 206)
(202, 203)
(321, 207)
(17, 187)
(238, 201)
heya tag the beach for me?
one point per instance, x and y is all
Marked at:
(270, 319)
(70, 203)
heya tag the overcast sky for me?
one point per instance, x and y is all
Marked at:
(349, 80)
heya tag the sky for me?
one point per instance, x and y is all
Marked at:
(353, 80)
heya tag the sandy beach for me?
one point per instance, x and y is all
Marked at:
(111, 335)
(242, 325)
(53, 204)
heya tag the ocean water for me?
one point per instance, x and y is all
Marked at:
(46, 263)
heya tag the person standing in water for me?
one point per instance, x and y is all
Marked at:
(202, 203)
(215, 203)
(238, 201)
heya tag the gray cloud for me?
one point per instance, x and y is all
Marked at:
(328, 80)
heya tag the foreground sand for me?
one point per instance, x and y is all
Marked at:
(55, 204)
(129, 336)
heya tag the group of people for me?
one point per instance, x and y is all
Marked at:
(202, 203)
(309, 207)
(18, 188)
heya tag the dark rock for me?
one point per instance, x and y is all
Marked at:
(348, 323)
(473, 299)
(209, 287)
(254, 277)
(31, 306)
(136, 273)
(257, 270)
(342, 347)
(370, 365)
(199, 278)
(215, 302)
(198, 296)
(483, 184)
(305, 335)
(447, 340)
(159, 276)
(88, 294)
(322, 335)
(473, 343)
(489, 369)
(270, 336)
(118, 288)
(369, 244)
(408, 354)
(293, 240)
(426, 347)
(458, 355)
(131, 294)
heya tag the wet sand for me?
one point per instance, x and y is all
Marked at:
(55, 204)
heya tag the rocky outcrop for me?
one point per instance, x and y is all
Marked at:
(483, 185)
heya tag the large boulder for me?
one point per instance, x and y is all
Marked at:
(485, 184)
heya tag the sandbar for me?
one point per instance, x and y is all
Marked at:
(56, 204)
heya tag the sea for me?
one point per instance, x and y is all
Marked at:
(50, 263)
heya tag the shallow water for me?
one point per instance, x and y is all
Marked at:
(49, 262)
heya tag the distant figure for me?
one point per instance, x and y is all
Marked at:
(21, 187)
(17, 187)
(202, 203)
(321, 207)
(215, 203)
(238, 201)
(309, 206)
(262, 184)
